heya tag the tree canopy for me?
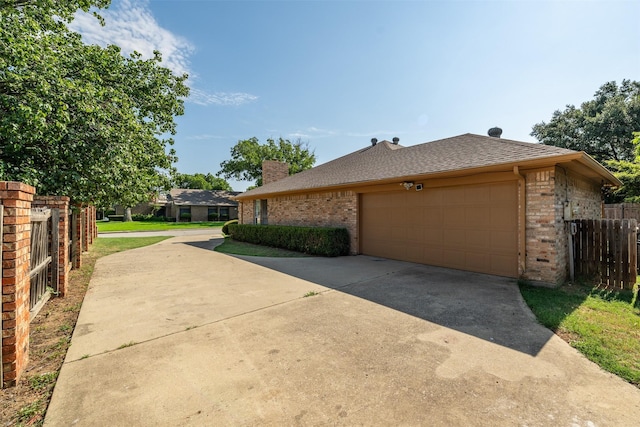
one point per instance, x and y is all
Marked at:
(247, 156)
(201, 181)
(629, 173)
(82, 120)
(602, 127)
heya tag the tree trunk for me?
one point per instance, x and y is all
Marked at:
(127, 215)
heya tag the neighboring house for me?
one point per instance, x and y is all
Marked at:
(154, 207)
(201, 205)
(469, 202)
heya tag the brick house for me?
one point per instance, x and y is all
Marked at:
(201, 205)
(470, 202)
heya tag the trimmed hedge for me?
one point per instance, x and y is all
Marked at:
(323, 241)
(225, 226)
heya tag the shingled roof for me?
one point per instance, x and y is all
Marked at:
(189, 197)
(385, 161)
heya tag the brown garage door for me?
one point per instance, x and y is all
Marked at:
(471, 227)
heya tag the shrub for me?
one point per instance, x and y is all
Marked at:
(225, 226)
(212, 217)
(116, 217)
(185, 216)
(324, 241)
(149, 217)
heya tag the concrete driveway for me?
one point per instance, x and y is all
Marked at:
(176, 334)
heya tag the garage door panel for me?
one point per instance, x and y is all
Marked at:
(431, 197)
(434, 237)
(454, 196)
(470, 227)
(398, 233)
(454, 218)
(432, 216)
(504, 192)
(417, 235)
(414, 214)
(502, 265)
(503, 241)
(478, 238)
(477, 217)
(477, 261)
(454, 238)
(502, 216)
(477, 195)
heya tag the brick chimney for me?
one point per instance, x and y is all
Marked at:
(273, 170)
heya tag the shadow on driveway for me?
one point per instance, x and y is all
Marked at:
(484, 306)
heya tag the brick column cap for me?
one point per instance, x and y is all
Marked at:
(17, 186)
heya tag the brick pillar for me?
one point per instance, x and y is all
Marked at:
(77, 235)
(16, 198)
(86, 238)
(273, 170)
(64, 265)
(94, 225)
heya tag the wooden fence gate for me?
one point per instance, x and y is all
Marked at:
(44, 253)
(607, 250)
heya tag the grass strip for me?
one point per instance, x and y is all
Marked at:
(603, 325)
(130, 226)
(233, 247)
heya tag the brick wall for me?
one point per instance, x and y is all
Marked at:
(273, 170)
(64, 266)
(16, 247)
(332, 209)
(245, 212)
(547, 252)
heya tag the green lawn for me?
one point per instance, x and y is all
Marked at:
(234, 247)
(602, 325)
(104, 247)
(111, 226)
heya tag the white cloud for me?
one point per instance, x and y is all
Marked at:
(312, 132)
(130, 25)
(201, 97)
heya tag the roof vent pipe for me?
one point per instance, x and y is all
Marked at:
(495, 132)
(396, 140)
(374, 141)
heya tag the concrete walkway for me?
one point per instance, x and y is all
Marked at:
(175, 334)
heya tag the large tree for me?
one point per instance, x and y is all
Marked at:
(602, 127)
(247, 156)
(629, 173)
(79, 120)
(200, 181)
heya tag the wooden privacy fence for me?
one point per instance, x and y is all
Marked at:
(622, 211)
(607, 250)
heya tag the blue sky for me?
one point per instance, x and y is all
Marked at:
(338, 73)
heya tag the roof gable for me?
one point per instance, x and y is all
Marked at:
(385, 161)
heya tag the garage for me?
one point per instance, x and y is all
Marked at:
(468, 227)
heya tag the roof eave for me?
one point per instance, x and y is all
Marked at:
(606, 177)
